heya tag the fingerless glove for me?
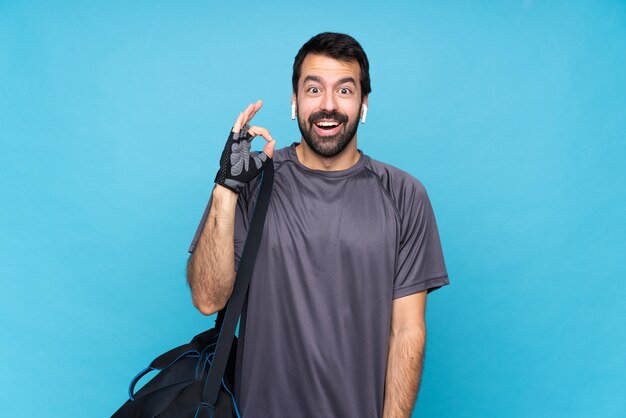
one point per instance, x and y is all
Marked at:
(238, 166)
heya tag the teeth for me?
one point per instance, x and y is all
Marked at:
(327, 124)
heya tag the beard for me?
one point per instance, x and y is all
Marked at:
(328, 145)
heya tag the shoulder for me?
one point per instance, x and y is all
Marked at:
(407, 192)
(281, 154)
(401, 185)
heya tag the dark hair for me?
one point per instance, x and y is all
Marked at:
(338, 46)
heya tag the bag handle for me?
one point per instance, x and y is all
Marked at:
(240, 289)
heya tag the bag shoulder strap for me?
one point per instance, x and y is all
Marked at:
(232, 311)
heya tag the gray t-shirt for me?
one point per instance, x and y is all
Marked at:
(337, 248)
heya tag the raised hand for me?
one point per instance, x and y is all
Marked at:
(238, 165)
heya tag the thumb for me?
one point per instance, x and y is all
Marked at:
(268, 149)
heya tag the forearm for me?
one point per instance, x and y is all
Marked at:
(210, 269)
(404, 370)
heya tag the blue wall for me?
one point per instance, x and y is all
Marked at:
(512, 113)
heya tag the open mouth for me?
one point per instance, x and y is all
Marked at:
(327, 127)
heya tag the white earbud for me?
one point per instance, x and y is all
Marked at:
(293, 111)
(364, 113)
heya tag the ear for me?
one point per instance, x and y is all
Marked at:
(364, 108)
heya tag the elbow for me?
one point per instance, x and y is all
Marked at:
(207, 308)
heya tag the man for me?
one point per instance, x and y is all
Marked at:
(334, 323)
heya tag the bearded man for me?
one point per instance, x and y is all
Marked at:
(334, 321)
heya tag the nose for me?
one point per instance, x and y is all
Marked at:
(329, 103)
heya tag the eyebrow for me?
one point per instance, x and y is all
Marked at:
(319, 80)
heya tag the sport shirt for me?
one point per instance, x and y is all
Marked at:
(338, 247)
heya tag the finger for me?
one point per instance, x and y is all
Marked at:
(247, 112)
(258, 131)
(238, 123)
(268, 149)
(257, 106)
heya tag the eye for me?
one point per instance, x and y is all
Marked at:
(313, 90)
(345, 90)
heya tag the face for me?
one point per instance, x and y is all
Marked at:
(329, 103)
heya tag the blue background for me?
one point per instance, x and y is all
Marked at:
(512, 114)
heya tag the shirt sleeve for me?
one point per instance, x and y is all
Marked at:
(241, 225)
(421, 265)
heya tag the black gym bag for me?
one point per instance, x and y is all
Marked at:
(196, 379)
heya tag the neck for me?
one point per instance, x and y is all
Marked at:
(342, 161)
